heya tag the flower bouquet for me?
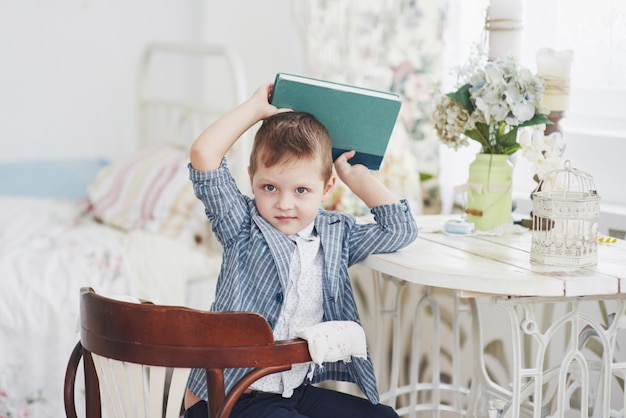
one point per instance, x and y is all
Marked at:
(494, 101)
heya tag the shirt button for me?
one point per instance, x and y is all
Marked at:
(279, 297)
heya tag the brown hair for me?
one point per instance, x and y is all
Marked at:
(288, 135)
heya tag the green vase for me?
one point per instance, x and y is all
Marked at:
(489, 197)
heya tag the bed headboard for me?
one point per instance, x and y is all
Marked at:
(182, 88)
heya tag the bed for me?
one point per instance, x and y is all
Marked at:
(125, 227)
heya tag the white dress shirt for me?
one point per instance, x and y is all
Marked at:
(302, 307)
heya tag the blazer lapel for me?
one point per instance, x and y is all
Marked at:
(330, 230)
(281, 248)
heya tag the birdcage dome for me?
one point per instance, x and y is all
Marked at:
(566, 211)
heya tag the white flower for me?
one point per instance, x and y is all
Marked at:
(521, 109)
(544, 152)
(532, 85)
(451, 121)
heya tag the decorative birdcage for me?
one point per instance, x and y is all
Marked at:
(566, 209)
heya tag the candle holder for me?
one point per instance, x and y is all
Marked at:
(554, 68)
(555, 117)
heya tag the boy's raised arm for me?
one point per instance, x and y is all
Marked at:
(214, 142)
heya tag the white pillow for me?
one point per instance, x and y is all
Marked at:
(150, 191)
(334, 340)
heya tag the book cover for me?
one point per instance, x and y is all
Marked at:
(357, 118)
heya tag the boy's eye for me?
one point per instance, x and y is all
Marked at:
(301, 190)
(269, 188)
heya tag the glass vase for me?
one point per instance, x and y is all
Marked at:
(489, 197)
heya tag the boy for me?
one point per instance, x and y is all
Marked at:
(263, 270)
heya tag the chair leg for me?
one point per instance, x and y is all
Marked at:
(215, 386)
(69, 386)
(92, 388)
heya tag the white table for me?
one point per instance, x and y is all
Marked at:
(498, 268)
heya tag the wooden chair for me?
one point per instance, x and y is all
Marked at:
(129, 351)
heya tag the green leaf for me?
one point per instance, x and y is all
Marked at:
(425, 176)
(538, 119)
(483, 129)
(462, 96)
(512, 149)
(509, 139)
(480, 134)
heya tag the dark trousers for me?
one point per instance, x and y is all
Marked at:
(307, 402)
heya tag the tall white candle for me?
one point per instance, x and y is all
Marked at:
(554, 68)
(505, 28)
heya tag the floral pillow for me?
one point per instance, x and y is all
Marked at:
(334, 340)
(150, 191)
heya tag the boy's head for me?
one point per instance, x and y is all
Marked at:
(291, 170)
(292, 136)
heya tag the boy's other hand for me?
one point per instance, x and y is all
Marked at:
(346, 171)
(363, 182)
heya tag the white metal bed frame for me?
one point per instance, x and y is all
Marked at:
(181, 120)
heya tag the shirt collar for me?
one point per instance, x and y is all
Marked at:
(307, 232)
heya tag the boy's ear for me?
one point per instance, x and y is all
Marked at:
(330, 185)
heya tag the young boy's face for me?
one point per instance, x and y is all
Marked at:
(288, 194)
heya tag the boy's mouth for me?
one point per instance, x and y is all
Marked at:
(285, 218)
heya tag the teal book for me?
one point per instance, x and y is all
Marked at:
(357, 118)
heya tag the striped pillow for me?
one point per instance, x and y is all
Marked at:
(150, 191)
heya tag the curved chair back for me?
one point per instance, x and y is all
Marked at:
(137, 356)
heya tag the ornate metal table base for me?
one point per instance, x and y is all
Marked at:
(566, 356)
(563, 354)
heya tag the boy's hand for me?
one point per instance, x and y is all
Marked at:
(362, 182)
(347, 172)
(214, 142)
(261, 100)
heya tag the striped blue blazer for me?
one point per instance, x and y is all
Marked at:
(255, 265)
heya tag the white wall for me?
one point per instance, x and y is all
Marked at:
(68, 72)
(262, 31)
(68, 68)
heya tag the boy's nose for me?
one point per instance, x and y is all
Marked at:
(284, 202)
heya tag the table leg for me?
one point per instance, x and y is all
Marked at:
(430, 370)
(587, 378)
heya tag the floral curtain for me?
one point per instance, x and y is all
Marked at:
(393, 45)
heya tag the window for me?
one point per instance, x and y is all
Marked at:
(593, 127)
(596, 31)
(594, 124)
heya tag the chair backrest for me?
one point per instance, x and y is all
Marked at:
(131, 350)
